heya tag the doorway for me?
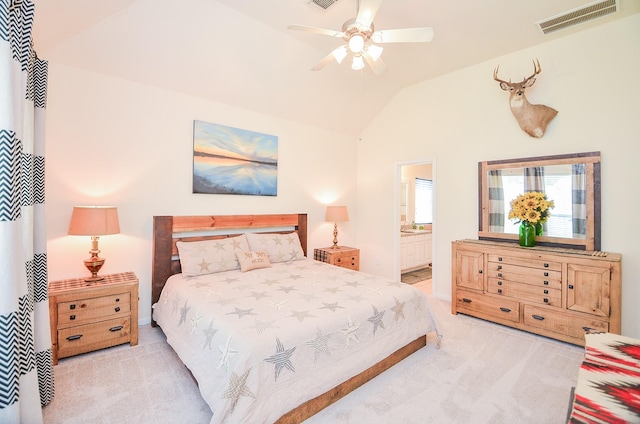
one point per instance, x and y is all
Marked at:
(415, 212)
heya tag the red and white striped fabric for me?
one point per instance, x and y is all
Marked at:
(608, 389)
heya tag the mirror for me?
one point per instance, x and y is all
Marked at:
(404, 200)
(572, 181)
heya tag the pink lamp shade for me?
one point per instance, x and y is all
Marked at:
(94, 221)
(337, 214)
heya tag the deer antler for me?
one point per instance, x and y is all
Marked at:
(536, 70)
(495, 76)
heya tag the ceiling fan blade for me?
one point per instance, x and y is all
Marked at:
(377, 66)
(367, 11)
(315, 30)
(324, 62)
(405, 35)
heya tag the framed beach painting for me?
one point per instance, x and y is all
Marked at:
(229, 160)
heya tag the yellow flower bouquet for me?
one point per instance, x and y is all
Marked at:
(532, 207)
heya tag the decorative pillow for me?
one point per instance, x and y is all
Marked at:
(253, 260)
(279, 247)
(210, 256)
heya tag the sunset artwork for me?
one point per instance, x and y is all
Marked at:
(229, 160)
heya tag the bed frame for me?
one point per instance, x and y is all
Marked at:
(167, 230)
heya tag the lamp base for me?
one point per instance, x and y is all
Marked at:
(93, 264)
(335, 236)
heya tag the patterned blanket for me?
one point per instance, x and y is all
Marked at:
(262, 342)
(608, 389)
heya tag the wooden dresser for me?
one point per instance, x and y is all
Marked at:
(346, 257)
(90, 316)
(554, 292)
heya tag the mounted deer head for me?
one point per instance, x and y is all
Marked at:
(533, 119)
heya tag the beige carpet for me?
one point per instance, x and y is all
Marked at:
(483, 373)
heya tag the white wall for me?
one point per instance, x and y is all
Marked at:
(463, 118)
(111, 141)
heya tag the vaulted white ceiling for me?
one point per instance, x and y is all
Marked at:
(240, 52)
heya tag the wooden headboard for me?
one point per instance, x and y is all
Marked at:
(167, 230)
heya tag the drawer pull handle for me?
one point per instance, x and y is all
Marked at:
(538, 317)
(72, 306)
(546, 274)
(499, 283)
(503, 309)
(500, 291)
(546, 283)
(587, 329)
(499, 274)
(466, 300)
(546, 265)
(74, 337)
(499, 267)
(117, 309)
(479, 271)
(72, 317)
(546, 300)
(571, 286)
(500, 258)
(117, 299)
(114, 329)
(546, 292)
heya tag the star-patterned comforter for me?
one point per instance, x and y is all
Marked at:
(262, 342)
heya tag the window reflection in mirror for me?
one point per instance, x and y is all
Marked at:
(554, 180)
(571, 181)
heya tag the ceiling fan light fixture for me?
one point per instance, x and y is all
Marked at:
(340, 53)
(374, 51)
(356, 43)
(358, 63)
(376, 37)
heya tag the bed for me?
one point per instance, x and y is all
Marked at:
(269, 334)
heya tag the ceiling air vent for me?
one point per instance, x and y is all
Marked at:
(321, 5)
(578, 16)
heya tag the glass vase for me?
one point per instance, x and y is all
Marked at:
(539, 228)
(527, 234)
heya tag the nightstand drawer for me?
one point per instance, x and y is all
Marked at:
(87, 309)
(89, 337)
(342, 256)
(347, 261)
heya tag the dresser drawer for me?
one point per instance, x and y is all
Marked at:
(541, 277)
(566, 324)
(549, 279)
(485, 306)
(526, 292)
(88, 337)
(522, 262)
(82, 310)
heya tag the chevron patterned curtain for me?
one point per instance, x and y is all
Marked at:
(26, 366)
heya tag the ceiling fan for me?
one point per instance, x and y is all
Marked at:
(362, 40)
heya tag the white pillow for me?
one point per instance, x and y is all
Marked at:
(210, 256)
(253, 260)
(279, 247)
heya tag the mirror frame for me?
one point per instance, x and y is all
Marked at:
(592, 161)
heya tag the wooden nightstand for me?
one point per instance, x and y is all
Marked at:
(346, 257)
(90, 316)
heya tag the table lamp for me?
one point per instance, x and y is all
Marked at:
(336, 214)
(94, 221)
